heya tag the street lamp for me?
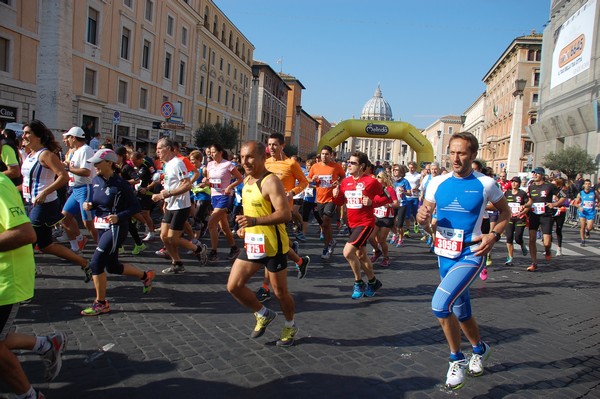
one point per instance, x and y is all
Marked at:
(463, 119)
(519, 87)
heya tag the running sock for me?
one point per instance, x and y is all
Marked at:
(454, 357)
(290, 323)
(359, 282)
(299, 263)
(265, 287)
(102, 302)
(74, 245)
(373, 280)
(42, 345)
(31, 394)
(479, 349)
(262, 312)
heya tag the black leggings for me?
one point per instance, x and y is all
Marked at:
(134, 232)
(559, 221)
(514, 230)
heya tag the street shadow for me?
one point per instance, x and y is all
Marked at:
(301, 386)
(574, 371)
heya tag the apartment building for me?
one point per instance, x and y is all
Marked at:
(268, 103)
(511, 102)
(116, 63)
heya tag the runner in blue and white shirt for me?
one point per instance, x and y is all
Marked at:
(459, 200)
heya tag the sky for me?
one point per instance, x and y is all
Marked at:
(428, 56)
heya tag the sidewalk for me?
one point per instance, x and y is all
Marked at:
(189, 338)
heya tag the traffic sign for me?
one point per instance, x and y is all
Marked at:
(116, 118)
(172, 126)
(502, 165)
(166, 109)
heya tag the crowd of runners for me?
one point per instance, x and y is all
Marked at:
(263, 204)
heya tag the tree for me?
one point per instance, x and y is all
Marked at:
(224, 134)
(570, 161)
(290, 150)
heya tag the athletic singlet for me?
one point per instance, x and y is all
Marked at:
(588, 200)
(271, 239)
(460, 206)
(36, 177)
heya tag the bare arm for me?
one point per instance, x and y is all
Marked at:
(17, 237)
(51, 161)
(272, 189)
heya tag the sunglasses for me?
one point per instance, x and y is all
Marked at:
(352, 163)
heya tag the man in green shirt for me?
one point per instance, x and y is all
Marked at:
(17, 273)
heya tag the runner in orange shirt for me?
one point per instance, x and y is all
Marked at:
(288, 171)
(326, 174)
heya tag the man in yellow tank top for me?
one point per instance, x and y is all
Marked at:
(266, 244)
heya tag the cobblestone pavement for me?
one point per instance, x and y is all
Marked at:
(189, 338)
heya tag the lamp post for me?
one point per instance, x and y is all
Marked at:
(297, 129)
(439, 146)
(515, 150)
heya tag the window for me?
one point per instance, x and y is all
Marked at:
(125, 43)
(146, 55)
(228, 69)
(4, 49)
(149, 10)
(233, 101)
(184, 34)
(450, 130)
(128, 3)
(7, 2)
(170, 23)
(90, 82)
(201, 84)
(92, 28)
(535, 98)
(219, 94)
(182, 72)
(210, 87)
(204, 51)
(536, 78)
(226, 98)
(179, 109)
(221, 64)
(199, 116)
(213, 58)
(122, 92)
(168, 65)
(143, 98)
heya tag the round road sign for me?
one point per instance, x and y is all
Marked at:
(166, 109)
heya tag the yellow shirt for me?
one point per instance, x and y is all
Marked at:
(255, 205)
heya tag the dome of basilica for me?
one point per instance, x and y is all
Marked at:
(377, 108)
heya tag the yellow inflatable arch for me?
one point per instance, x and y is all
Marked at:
(380, 130)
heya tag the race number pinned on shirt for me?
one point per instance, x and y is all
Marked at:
(309, 192)
(514, 208)
(354, 199)
(101, 223)
(215, 183)
(539, 208)
(255, 246)
(325, 181)
(380, 212)
(588, 204)
(26, 192)
(449, 242)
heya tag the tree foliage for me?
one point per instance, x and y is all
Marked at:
(570, 161)
(223, 134)
(290, 150)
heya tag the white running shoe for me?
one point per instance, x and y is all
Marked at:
(63, 238)
(455, 378)
(149, 237)
(476, 362)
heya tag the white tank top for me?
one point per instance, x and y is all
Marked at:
(36, 177)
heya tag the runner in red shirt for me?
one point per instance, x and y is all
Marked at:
(361, 193)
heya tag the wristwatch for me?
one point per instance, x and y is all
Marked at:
(497, 236)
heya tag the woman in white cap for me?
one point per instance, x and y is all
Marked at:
(43, 174)
(115, 203)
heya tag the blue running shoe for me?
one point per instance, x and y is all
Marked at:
(429, 240)
(358, 290)
(295, 246)
(371, 288)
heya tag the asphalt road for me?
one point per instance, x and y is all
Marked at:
(188, 338)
